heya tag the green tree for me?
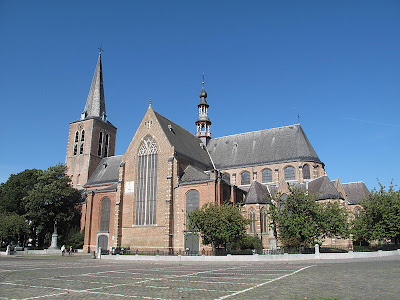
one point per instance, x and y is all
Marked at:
(12, 228)
(379, 218)
(219, 225)
(15, 189)
(300, 221)
(53, 200)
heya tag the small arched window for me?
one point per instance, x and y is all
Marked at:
(290, 173)
(267, 175)
(306, 172)
(81, 149)
(252, 218)
(76, 136)
(245, 178)
(75, 149)
(83, 135)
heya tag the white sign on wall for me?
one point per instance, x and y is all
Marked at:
(129, 187)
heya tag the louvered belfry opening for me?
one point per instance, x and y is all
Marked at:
(146, 183)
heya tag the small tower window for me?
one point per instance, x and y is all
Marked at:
(290, 173)
(245, 178)
(76, 136)
(81, 149)
(75, 149)
(106, 146)
(267, 175)
(306, 172)
(83, 136)
(100, 146)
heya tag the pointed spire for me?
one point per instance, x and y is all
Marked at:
(95, 103)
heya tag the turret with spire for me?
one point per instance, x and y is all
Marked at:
(203, 123)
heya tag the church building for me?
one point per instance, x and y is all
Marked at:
(140, 199)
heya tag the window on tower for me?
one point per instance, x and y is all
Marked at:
(76, 136)
(100, 146)
(83, 135)
(81, 149)
(75, 149)
(106, 146)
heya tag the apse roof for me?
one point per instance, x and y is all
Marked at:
(276, 145)
(258, 193)
(106, 171)
(355, 191)
(323, 188)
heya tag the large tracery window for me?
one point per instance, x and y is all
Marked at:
(146, 183)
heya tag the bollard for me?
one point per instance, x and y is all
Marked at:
(99, 253)
(93, 254)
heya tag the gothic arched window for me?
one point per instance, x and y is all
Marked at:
(75, 149)
(266, 175)
(252, 218)
(81, 149)
(290, 173)
(146, 183)
(192, 201)
(306, 172)
(76, 136)
(105, 215)
(106, 146)
(83, 135)
(245, 178)
(263, 221)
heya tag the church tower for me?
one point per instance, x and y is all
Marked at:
(91, 137)
(203, 123)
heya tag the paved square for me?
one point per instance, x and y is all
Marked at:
(79, 277)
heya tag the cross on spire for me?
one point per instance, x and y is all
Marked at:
(203, 80)
(100, 49)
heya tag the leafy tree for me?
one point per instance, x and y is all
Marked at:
(219, 225)
(52, 200)
(15, 189)
(12, 227)
(300, 221)
(379, 218)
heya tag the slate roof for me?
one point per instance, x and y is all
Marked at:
(276, 145)
(193, 174)
(185, 143)
(106, 171)
(323, 188)
(258, 193)
(95, 103)
(356, 191)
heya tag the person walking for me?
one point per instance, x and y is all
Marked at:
(62, 250)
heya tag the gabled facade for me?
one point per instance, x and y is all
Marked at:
(140, 199)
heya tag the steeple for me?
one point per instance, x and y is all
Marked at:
(95, 104)
(203, 123)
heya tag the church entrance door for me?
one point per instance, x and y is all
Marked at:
(192, 242)
(102, 241)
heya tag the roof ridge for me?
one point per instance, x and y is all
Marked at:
(242, 133)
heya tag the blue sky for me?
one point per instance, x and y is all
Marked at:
(335, 63)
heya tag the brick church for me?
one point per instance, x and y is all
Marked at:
(140, 199)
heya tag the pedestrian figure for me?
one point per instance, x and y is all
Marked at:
(62, 250)
(70, 251)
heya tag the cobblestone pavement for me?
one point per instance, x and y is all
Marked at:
(79, 277)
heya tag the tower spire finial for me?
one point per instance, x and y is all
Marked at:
(100, 49)
(202, 83)
(150, 102)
